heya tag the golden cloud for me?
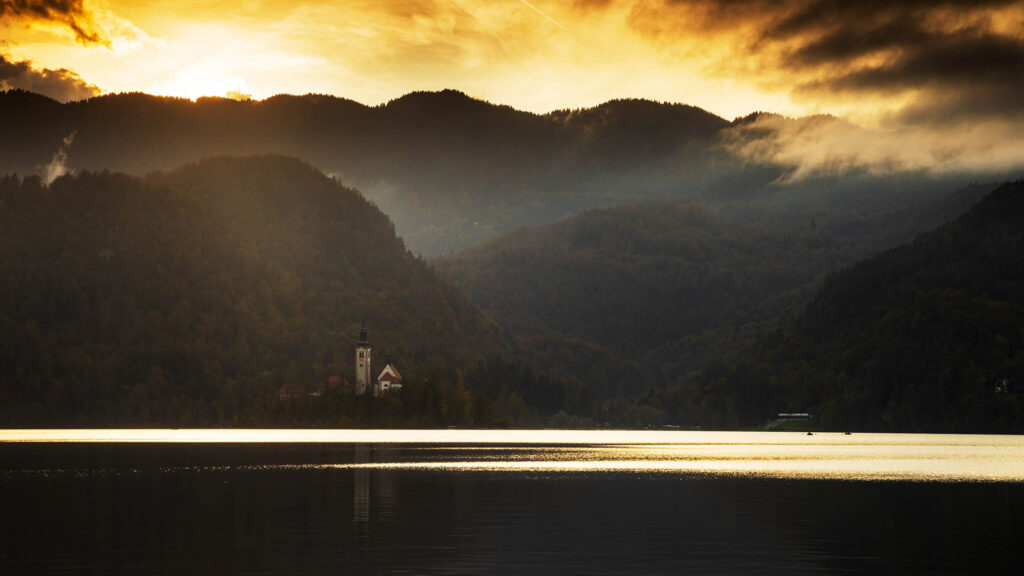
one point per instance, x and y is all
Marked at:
(68, 13)
(62, 84)
(930, 61)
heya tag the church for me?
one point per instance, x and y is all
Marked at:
(389, 380)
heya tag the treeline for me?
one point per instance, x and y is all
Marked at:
(662, 285)
(925, 337)
(194, 296)
(452, 171)
(230, 292)
(448, 169)
(501, 391)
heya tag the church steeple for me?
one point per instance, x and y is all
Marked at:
(363, 362)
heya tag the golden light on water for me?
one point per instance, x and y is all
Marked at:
(917, 457)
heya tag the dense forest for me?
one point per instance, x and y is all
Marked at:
(230, 292)
(619, 265)
(637, 278)
(448, 169)
(206, 294)
(928, 336)
(451, 171)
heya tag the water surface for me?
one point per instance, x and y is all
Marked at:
(919, 457)
(499, 502)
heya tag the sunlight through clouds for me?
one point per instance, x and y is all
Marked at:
(905, 62)
(538, 55)
(214, 60)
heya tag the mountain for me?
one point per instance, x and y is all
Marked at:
(452, 171)
(194, 296)
(449, 169)
(928, 336)
(664, 284)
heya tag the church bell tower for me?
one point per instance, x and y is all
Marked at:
(363, 373)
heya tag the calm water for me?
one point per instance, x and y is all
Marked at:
(498, 502)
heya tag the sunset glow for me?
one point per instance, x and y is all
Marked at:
(797, 57)
(511, 286)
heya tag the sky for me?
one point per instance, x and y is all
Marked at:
(874, 61)
(925, 67)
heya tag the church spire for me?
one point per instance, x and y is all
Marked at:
(364, 362)
(363, 339)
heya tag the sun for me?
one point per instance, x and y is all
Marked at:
(204, 78)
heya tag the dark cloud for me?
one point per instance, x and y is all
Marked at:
(846, 43)
(950, 59)
(958, 74)
(70, 13)
(63, 85)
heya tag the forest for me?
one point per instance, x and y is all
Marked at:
(925, 337)
(451, 171)
(170, 262)
(639, 277)
(230, 292)
(194, 296)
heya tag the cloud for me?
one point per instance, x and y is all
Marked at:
(940, 79)
(926, 61)
(828, 146)
(68, 13)
(62, 84)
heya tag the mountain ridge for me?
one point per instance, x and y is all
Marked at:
(451, 170)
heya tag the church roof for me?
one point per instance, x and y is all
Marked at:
(389, 374)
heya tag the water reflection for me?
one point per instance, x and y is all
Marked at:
(495, 437)
(918, 457)
(374, 491)
(995, 461)
(503, 508)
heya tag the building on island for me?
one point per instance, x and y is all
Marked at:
(389, 379)
(363, 350)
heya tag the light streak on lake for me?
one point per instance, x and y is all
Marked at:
(919, 457)
(507, 502)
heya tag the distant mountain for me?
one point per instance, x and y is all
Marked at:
(928, 336)
(452, 171)
(194, 296)
(666, 285)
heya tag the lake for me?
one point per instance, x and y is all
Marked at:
(507, 502)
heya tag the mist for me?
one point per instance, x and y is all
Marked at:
(58, 166)
(825, 146)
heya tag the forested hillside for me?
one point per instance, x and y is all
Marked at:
(448, 169)
(451, 171)
(230, 291)
(665, 284)
(194, 296)
(925, 337)
(195, 293)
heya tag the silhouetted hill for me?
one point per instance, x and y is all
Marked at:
(449, 170)
(623, 132)
(193, 296)
(664, 284)
(928, 336)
